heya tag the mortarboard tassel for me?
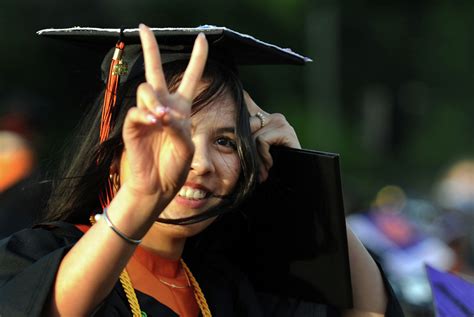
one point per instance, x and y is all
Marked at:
(117, 68)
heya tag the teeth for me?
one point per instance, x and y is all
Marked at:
(192, 193)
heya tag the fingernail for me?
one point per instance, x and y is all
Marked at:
(141, 26)
(151, 118)
(201, 34)
(161, 111)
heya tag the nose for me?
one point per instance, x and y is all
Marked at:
(202, 160)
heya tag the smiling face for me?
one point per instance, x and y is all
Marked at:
(214, 170)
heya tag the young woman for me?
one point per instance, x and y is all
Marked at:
(190, 143)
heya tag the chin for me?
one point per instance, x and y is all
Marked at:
(184, 231)
(177, 211)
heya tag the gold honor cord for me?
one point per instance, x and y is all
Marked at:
(198, 294)
(132, 296)
(133, 300)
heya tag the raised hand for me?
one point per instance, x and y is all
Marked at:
(269, 129)
(157, 133)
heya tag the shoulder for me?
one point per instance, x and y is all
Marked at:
(34, 243)
(29, 260)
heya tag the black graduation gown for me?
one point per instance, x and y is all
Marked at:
(21, 205)
(30, 258)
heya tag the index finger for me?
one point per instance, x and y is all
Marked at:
(151, 54)
(252, 107)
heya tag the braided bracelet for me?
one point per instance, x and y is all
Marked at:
(117, 231)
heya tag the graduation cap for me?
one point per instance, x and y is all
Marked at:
(125, 61)
(225, 45)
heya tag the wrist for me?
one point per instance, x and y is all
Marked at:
(134, 213)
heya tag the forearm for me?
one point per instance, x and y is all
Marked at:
(91, 268)
(368, 289)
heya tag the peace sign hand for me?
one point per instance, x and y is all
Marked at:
(157, 133)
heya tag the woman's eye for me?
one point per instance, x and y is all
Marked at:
(227, 142)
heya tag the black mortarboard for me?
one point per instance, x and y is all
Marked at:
(225, 45)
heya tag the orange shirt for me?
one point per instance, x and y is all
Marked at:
(163, 279)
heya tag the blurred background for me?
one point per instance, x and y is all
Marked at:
(390, 90)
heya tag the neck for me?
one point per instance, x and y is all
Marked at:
(161, 242)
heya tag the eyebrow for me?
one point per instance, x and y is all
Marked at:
(228, 129)
(225, 130)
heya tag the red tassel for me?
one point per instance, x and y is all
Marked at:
(110, 95)
(110, 98)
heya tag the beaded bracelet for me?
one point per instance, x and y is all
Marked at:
(117, 231)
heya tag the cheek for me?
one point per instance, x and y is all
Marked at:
(228, 167)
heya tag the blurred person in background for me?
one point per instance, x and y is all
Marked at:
(454, 194)
(16, 159)
(22, 197)
(404, 234)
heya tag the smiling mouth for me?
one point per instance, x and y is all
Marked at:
(193, 193)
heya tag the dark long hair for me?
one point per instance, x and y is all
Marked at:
(84, 171)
